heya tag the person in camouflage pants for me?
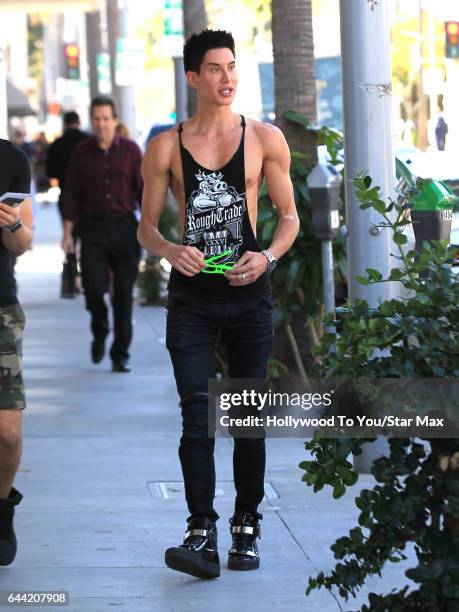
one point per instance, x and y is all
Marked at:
(15, 239)
(11, 384)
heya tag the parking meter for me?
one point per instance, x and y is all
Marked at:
(324, 183)
(432, 211)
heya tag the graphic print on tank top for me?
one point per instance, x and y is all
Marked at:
(214, 215)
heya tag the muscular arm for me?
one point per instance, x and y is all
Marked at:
(156, 177)
(276, 167)
(20, 241)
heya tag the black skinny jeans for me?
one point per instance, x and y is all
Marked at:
(109, 247)
(193, 326)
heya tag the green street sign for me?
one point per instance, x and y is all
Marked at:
(173, 18)
(103, 73)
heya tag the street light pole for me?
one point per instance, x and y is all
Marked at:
(119, 38)
(94, 47)
(127, 92)
(366, 70)
(422, 98)
(181, 90)
(367, 78)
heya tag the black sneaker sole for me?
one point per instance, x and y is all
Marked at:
(189, 562)
(235, 563)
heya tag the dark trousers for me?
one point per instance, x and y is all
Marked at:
(110, 253)
(246, 329)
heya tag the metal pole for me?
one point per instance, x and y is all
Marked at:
(328, 280)
(423, 111)
(113, 32)
(368, 148)
(94, 47)
(181, 92)
(127, 92)
(366, 70)
(3, 98)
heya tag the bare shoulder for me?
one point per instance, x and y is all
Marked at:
(159, 150)
(271, 139)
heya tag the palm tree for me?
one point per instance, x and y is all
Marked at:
(194, 21)
(294, 70)
(295, 90)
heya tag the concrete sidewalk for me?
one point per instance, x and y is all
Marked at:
(101, 478)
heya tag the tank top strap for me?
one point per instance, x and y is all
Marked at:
(180, 130)
(243, 123)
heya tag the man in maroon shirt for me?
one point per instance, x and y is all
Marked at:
(103, 188)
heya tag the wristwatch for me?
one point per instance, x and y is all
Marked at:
(272, 261)
(15, 227)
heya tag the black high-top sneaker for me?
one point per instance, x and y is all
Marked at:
(243, 554)
(8, 544)
(198, 555)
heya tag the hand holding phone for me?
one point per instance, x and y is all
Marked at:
(13, 199)
(9, 209)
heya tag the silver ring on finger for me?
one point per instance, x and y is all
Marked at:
(243, 276)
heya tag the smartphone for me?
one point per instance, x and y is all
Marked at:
(13, 199)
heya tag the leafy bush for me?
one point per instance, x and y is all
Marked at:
(416, 498)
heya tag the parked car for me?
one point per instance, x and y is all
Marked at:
(439, 165)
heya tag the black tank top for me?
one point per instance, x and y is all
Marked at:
(217, 222)
(7, 280)
(14, 176)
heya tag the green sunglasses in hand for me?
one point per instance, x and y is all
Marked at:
(213, 267)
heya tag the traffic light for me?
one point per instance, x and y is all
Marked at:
(72, 61)
(452, 39)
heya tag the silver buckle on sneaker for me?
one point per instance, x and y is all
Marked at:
(196, 532)
(248, 553)
(242, 529)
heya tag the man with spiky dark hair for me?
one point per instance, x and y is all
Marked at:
(197, 46)
(215, 164)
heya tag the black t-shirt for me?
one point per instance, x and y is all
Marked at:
(14, 176)
(59, 154)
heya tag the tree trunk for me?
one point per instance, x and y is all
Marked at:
(194, 21)
(294, 70)
(295, 90)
